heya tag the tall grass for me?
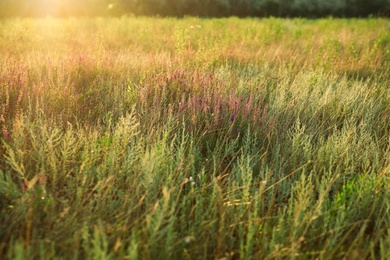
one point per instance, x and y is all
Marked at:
(189, 138)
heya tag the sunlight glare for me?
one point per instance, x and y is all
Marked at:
(55, 7)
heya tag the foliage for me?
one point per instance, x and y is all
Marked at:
(125, 138)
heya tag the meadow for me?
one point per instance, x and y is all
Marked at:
(168, 138)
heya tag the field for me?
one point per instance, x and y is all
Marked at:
(165, 138)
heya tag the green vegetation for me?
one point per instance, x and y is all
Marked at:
(150, 138)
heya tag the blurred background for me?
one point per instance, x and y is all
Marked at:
(204, 8)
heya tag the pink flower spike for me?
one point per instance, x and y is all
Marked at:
(5, 134)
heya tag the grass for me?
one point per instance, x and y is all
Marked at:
(142, 138)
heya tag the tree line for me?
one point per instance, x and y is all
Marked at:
(204, 8)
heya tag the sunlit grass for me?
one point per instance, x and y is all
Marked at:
(193, 138)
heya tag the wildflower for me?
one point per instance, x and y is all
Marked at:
(5, 134)
(41, 178)
(189, 239)
(24, 185)
(192, 181)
